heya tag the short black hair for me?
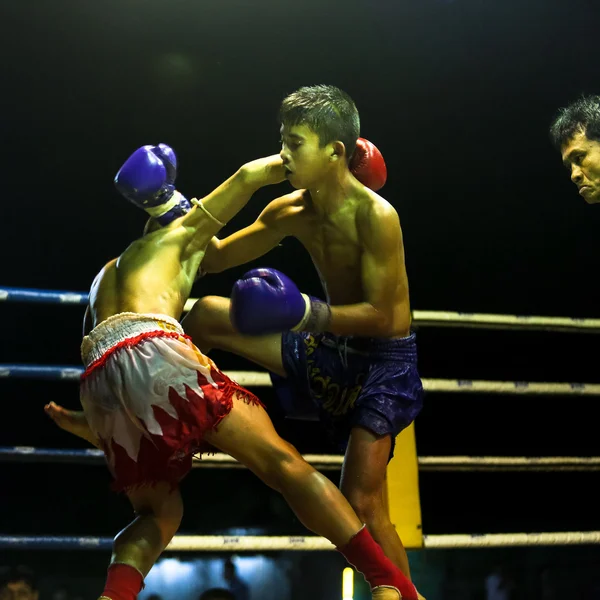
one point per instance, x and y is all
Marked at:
(583, 116)
(18, 573)
(327, 110)
(217, 594)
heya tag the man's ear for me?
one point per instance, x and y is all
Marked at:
(337, 151)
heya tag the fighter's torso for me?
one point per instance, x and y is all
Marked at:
(154, 274)
(336, 247)
(336, 250)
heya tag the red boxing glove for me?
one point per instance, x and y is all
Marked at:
(367, 165)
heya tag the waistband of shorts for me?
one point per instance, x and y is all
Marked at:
(404, 349)
(121, 327)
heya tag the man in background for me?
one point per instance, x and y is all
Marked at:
(235, 584)
(575, 133)
(18, 583)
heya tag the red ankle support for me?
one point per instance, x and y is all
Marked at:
(366, 555)
(123, 582)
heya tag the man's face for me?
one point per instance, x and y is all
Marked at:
(582, 157)
(305, 161)
(18, 590)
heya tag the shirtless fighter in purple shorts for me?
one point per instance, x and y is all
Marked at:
(352, 358)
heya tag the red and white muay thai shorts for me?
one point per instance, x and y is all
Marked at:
(150, 395)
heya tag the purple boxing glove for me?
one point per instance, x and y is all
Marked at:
(147, 179)
(267, 301)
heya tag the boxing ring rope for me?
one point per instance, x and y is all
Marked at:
(327, 462)
(421, 318)
(431, 318)
(229, 543)
(262, 379)
(324, 462)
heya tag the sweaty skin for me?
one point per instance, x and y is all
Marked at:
(352, 234)
(357, 250)
(156, 272)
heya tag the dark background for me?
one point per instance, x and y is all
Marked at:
(458, 95)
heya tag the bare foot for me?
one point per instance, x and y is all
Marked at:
(73, 421)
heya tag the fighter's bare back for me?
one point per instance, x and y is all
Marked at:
(154, 274)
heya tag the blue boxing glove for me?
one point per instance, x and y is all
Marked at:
(147, 179)
(267, 301)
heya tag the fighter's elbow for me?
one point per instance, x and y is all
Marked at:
(209, 266)
(383, 324)
(213, 259)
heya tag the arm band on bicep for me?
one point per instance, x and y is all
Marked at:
(201, 206)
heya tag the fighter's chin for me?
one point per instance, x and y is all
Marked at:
(592, 198)
(295, 182)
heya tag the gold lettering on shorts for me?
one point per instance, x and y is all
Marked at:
(311, 344)
(338, 400)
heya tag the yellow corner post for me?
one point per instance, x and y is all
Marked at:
(404, 504)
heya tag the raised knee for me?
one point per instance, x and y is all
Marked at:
(203, 311)
(168, 513)
(209, 315)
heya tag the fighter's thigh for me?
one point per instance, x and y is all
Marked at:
(248, 435)
(365, 466)
(209, 326)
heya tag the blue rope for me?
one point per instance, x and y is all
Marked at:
(53, 455)
(50, 542)
(12, 294)
(64, 373)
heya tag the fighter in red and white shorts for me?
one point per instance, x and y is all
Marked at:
(150, 395)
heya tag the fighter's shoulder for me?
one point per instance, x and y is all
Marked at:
(289, 202)
(289, 207)
(109, 267)
(375, 210)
